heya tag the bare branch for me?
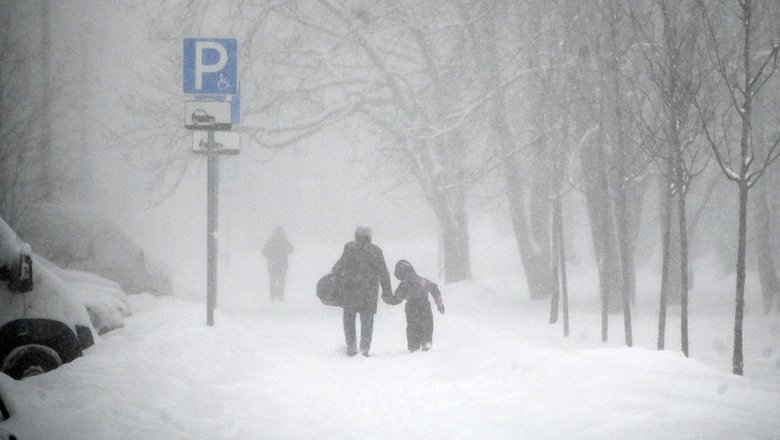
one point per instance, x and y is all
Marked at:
(773, 56)
(728, 172)
(772, 155)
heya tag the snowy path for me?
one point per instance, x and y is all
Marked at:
(278, 371)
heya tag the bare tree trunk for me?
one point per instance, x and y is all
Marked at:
(602, 229)
(557, 228)
(450, 209)
(682, 226)
(449, 203)
(556, 259)
(683, 272)
(739, 313)
(598, 205)
(624, 249)
(745, 145)
(535, 259)
(594, 162)
(537, 205)
(535, 263)
(85, 182)
(626, 259)
(600, 214)
(46, 123)
(619, 187)
(562, 249)
(767, 270)
(559, 267)
(608, 232)
(666, 226)
(636, 193)
(742, 83)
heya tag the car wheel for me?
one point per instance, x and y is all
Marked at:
(5, 435)
(30, 360)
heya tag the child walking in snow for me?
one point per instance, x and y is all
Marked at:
(419, 318)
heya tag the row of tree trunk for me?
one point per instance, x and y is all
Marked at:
(557, 96)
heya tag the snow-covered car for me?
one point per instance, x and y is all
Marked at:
(78, 238)
(5, 435)
(4, 415)
(49, 315)
(105, 301)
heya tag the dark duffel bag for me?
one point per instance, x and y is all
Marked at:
(328, 290)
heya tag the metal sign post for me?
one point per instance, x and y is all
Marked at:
(212, 150)
(210, 69)
(212, 217)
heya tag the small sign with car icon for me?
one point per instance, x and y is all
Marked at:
(207, 115)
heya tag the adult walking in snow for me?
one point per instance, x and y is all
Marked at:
(360, 271)
(276, 250)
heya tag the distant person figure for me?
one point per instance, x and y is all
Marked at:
(419, 318)
(361, 270)
(276, 250)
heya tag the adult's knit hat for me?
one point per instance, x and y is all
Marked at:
(363, 232)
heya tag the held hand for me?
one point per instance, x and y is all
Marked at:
(441, 308)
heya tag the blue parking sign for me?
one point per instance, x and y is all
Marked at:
(210, 66)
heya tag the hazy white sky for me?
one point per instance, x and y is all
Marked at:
(313, 190)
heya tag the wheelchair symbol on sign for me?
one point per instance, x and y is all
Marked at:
(223, 84)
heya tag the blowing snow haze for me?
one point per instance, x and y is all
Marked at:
(599, 175)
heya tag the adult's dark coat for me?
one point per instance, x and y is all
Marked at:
(361, 270)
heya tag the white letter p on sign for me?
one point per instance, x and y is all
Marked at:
(200, 68)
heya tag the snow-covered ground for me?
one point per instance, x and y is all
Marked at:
(497, 369)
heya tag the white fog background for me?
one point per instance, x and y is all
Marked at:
(316, 190)
(319, 190)
(313, 190)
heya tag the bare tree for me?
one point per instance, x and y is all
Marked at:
(151, 136)
(20, 106)
(615, 17)
(555, 50)
(421, 90)
(610, 161)
(525, 181)
(590, 118)
(45, 145)
(743, 78)
(764, 207)
(396, 74)
(32, 172)
(767, 269)
(671, 59)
